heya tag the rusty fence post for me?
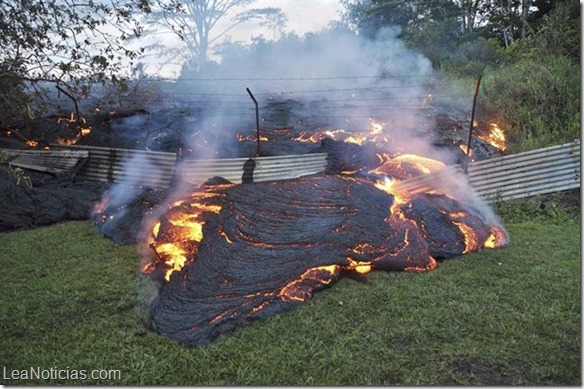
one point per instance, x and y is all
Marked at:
(472, 116)
(257, 112)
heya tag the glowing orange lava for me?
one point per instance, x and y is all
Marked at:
(83, 130)
(407, 166)
(357, 266)
(496, 137)
(242, 138)
(184, 223)
(294, 291)
(465, 150)
(498, 238)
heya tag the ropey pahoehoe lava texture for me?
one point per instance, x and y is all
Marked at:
(251, 251)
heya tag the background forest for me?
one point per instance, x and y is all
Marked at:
(527, 51)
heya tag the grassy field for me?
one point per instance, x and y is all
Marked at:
(70, 300)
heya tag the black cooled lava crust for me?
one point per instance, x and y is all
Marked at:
(274, 244)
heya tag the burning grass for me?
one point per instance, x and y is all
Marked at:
(508, 316)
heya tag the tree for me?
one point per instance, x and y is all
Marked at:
(194, 20)
(272, 18)
(471, 14)
(369, 16)
(448, 31)
(513, 20)
(62, 41)
(436, 27)
(354, 16)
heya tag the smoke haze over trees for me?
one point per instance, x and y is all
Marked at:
(524, 48)
(197, 24)
(444, 29)
(528, 51)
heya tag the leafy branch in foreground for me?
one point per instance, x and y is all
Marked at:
(65, 39)
(62, 41)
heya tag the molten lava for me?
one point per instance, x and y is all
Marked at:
(465, 150)
(243, 138)
(306, 137)
(374, 135)
(495, 137)
(182, 230)
(83, 129)
(232, 254)
(226, 255)
(406, 166)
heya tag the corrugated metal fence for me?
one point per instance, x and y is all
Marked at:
(53, 161)
(156, 168)
(519, 175)
(541, 171)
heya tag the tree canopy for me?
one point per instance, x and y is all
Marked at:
(197, 24)
(62, 40)
(65, 42)
(443, 29)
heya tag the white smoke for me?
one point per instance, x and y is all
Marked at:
(340, 78)
(337, 78)
(137, 170)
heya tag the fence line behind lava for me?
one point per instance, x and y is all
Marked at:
(541, 171)
(109, 164)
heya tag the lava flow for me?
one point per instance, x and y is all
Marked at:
(231, 254)
(373, 135)
(495, 137)
(83, 129)
(175, 237)
(405, 166)
(225, 255)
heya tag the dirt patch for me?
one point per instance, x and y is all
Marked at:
(483, 371)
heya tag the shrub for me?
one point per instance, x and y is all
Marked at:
(472, 57)
(15, 103)
(555, 208)
(535, 95)
(536, 101)
(20, 177)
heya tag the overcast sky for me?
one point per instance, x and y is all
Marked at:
(305, 15)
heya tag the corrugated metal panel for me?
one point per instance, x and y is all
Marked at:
(509, 177)
(50, 161)
(267, 168)
(526, 174)
(137, 166)
(156, 168)
(427, 182)
(47, 153)
(520, 175)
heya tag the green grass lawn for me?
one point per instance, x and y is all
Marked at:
(71, 299)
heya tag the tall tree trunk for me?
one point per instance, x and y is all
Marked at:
(524, 14)
(202, 60)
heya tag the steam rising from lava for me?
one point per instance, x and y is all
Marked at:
(338, 78)
(267, 247)
(112, 207)
(226, 255)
